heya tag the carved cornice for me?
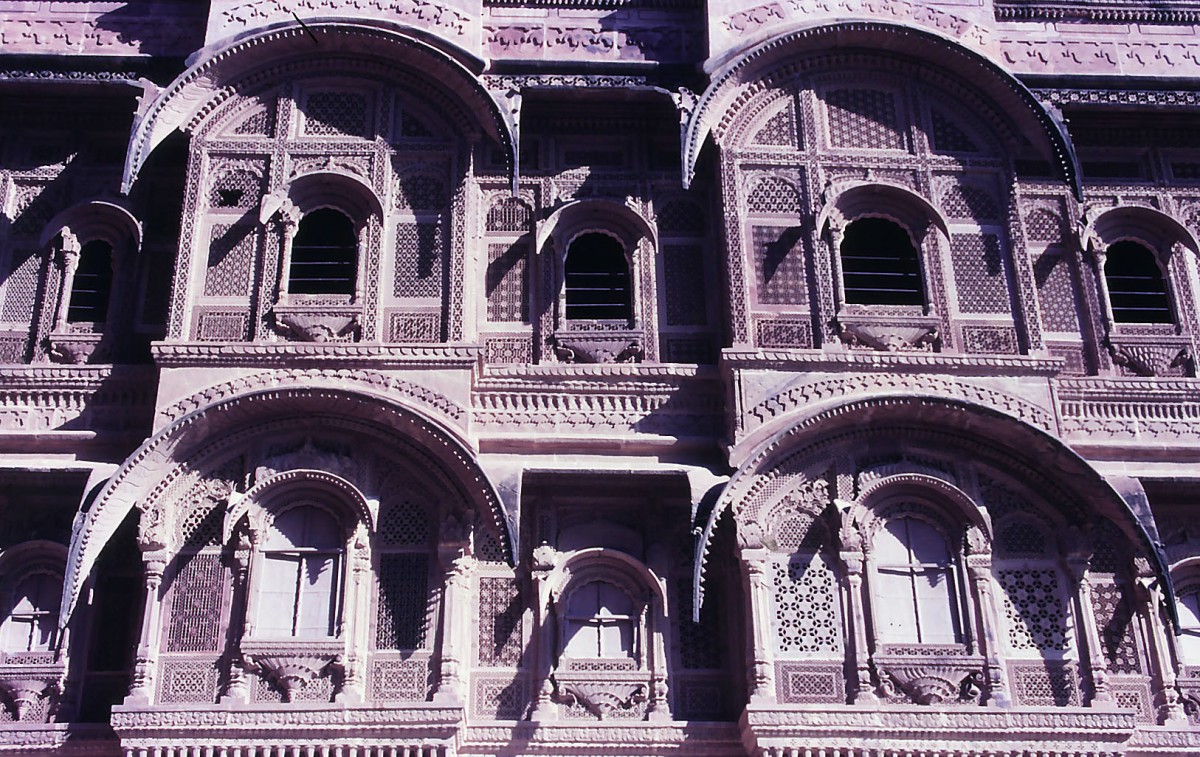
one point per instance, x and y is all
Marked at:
(926, 362)
(293, 354)
(403, 720)
(1104, 11)
(1150, 97)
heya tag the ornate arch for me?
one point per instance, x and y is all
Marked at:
(250, 59)
(97, 219)
(605, 216)
(265, 492)
(1155, 229)
(142, 478)
(994, 438)
(862, 199)
(776, 59)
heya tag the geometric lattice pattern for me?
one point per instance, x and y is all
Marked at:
(187, 681)
(422, 192)
(699, 643)
(948, 137)
(784, 332)
(1114, 619)
(222, 327)
(507, 350)
(230, 258)
(195, 623)
(237, 188)
(779, 130)
(990, 340)
(335, 113)
(1034, 608)
(685, 284)
(500, 613)
(20, 290)
(419, 252)
(806, 619)
(779, 265)
(682, 218)
(797, 682)
(1045, 684)
(35, 206)
(201, 526)
(399, 680)
(1041, 225)
(699, 700)
(979, 273)
(402, 616)
(1056, 291)
(1021, 538)
(422, 328)
(968, 202)
(405, 523)
(775, 195)
(864, 119)
(510, 214)
(500, 698)
(508, 282)
(258, 124)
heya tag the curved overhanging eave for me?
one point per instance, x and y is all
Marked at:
(1009, 94)
(975, 420)
(195, 92)
(112, 505)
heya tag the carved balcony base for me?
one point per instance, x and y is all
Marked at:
(892, 332)
(77, 349)
(596, 346)
(316, 324)
(1152, 355)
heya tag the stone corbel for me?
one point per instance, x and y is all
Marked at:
(601, 698)
(316, 326)
(26, 692)
(891, 336)
(930, 683)
(292, 672)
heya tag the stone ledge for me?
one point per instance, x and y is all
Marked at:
(294, 354)
(925, 362)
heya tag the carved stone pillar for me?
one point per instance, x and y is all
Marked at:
(357, 624)
(544, 559)
(979, 568)
(456, 614)
(145, 666)
(755, 563)
(1149, 599)
(656, 625)
(69, 250)
(835, 245)
(289, 222)
(238, 690)
(1091, 645)
(852, 558)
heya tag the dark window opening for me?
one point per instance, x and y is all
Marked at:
(597, 280)
(1136, 287)
(880, 264)
(92, 284)
(324, 254)
(229, 198)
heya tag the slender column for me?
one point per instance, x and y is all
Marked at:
(1160, 639)
(657, 627)
(142, 691)
(356, 619)
(980, 569)
(1091, 645)
(68, 259)
(755, 563)
(289, 221)
(853, 559)
(544, 559)
(459, 564)
(239, 679)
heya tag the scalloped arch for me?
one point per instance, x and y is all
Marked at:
(142, 474)
(1000, 440)
(220, 70)
(771, 60)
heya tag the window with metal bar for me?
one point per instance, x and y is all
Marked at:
(92, 285)
(1137, 290)
(324, 254)
(597, 279)
(915, 593)
(301, 575)
(880, 265)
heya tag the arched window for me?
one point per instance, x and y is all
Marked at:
(92, 285)
(599, 623)
(324, 254)
(915, 595)
(301, 575)
(1188, 605)
(32, 623)
(597, 279)
(880, 265)
(1136, 288)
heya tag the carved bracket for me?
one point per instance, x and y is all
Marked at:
(900, 333)
(623, 346)
(1154, 356)
(76, 349)
(601, 698)
(291, 672)
(26, 689)
(310, 325)
(931, 682)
